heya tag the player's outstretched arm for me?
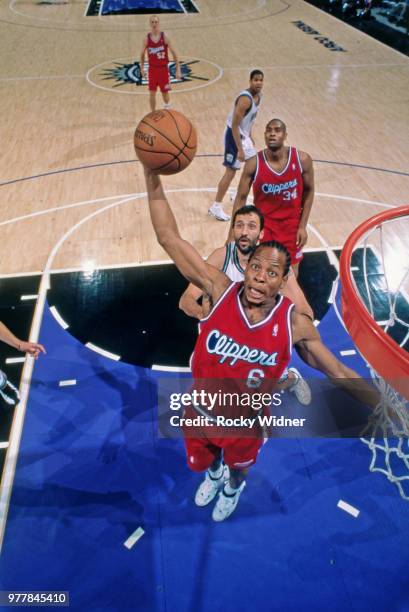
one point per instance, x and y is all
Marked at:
(307, 197)
(33, 348)
(189, 262)
(188, 300)
(246, 181)
(311, 349)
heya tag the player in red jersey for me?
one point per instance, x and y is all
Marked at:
(157, 45)
(283, 189)
(247, 336)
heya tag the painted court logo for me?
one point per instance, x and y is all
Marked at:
(126, 77)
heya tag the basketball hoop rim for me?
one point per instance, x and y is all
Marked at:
(370, 339)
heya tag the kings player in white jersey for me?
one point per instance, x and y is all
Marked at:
(232, 259)
(238, 141)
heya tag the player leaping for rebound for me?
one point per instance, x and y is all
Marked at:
(253, 315)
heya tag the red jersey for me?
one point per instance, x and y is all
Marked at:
(279, 194)
(157, 52)
(229, 346)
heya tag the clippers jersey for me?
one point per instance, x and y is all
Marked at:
(248, 120)
(229, 346)
(279, 194)
(157, 52)
(231, 266)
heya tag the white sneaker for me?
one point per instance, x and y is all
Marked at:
(209, 488)
(300, 388)
(218, 213)
(226, 504)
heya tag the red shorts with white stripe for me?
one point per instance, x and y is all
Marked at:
(159, 77)
(238, 453)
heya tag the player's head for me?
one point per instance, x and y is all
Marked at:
(154, 23)
(266, 272)
(275, 134)
(248, 223)
(256, 80)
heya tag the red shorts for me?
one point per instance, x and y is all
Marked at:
(159, 77)
(238, 453)
(287, 237)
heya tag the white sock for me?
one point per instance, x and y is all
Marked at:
(228, 489)
(217, 473)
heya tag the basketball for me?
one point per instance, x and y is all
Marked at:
(165, 141)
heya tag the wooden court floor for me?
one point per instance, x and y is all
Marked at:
(71, 190)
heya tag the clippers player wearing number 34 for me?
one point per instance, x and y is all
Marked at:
(157, 45)
(248, 335)
(283, 190)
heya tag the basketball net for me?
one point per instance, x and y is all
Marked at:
(383, 289)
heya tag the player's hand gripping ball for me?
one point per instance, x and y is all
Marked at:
(165, 141)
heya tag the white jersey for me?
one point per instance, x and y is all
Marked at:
(231, 266)
(248, 120)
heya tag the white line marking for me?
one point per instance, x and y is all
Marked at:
(67, 383)
(354, 268)
(333, 293)
(21, 274)
(28, 297)
(58, 317)
(102, 351)
(15, 359)
(4, 444)
(348, 508)
(133, 538)
(348, 353)
(7, 479)
(163, 368)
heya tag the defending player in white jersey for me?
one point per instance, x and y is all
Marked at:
(238, 141)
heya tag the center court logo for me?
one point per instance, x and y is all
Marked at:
(126, 77)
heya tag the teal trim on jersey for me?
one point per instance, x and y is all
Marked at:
(226, 257)
(236, 259)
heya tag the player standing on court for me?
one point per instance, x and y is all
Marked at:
(262, 325)
(157, 45)
(238, 141)
(283, 190)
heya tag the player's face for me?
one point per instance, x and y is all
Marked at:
(264, 276)
(154, 23)
(256, 83)
(275, 135)
(246, 232)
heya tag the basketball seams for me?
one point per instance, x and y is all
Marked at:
(163, 136)
(177, 127)
(177, 153)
